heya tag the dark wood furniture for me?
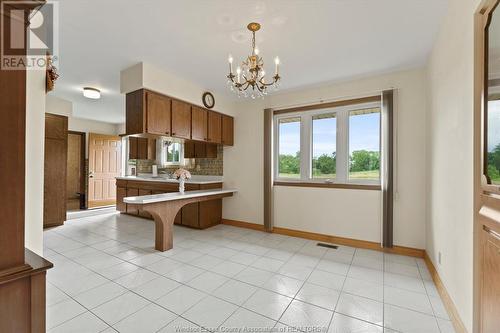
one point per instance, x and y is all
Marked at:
(196, 215)
(142, 148)
(194, 149)
(148, 112)
(22, 273)
(199, 124)
(165, 212)
(227, 130)
(55, 165)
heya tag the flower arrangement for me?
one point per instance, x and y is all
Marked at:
(182, 175)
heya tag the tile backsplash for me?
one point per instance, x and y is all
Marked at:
(197, 166)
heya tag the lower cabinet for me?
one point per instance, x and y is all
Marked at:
(198, 215)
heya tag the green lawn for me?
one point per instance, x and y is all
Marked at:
(373, 174)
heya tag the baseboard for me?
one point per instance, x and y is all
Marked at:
(246, 225)
(447, 301)
(407, 251)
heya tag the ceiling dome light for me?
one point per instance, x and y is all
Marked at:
(91, 93)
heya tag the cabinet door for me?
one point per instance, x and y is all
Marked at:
(210, 211)
(132, 192)
(132, 148)
(190, 215)
(121, 192)
(211, 150)
(199, 124)
(490, 293)
(158, 114)
(181, 119)
(214, 127)
(227, 130)
(145, 214)
(142, 148)
(189, 149)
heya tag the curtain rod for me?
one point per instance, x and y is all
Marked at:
(328, 100)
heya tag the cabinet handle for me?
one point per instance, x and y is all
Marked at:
(173, 133)
(167, 132)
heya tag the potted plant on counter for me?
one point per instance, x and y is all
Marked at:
(182, 175)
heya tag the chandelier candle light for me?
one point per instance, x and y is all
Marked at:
(251, 74)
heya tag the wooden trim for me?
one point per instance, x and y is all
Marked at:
(447, 301)
(82, 159)
(362, 244)
(101, 203)
(268, 169)
(246, 225)
(330, 104)
(327, 185)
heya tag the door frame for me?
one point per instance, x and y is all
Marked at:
(83, 177)
(484, 194)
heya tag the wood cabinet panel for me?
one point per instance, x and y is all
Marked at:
(142, 148)
(181, 119)
(158, 114)
(199, 124)
(211, 150)
(133, 152)
(135, 113)
(214, 133)
(121, 192)
(55, 164)
(490, 293)
(132, 192)
(227, 130)
(145, 192)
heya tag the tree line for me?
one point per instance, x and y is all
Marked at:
(359, 160)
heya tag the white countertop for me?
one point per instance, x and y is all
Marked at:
(146, 199)
(195, 179)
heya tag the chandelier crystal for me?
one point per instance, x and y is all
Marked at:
(250, 78)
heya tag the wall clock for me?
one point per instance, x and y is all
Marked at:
(208, 100)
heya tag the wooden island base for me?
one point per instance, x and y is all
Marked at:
(166, 206)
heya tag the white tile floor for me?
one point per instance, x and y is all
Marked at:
(107, 278)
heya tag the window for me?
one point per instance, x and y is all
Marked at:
(493, 151)
(172, 153)
(289, 148)
(324, 146)
(333, 145)
(364, 144)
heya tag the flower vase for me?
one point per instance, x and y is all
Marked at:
(181, 185)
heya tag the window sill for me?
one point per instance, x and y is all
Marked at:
(368, 187)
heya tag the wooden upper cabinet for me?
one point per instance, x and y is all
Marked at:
(158, 114)
(153, 113)
(199, 124)
(227, 130)
(214, 134)
(181, 119)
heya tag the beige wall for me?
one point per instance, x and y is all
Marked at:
(243, 167)
(450, 155)
(35, 133)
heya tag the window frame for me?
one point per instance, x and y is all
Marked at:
(163, 153)
(306, 145)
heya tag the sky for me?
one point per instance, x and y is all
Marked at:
(363, 134)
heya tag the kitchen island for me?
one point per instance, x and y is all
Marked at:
(164, 207)
(198, 215)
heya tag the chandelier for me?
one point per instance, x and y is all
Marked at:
(250, 78)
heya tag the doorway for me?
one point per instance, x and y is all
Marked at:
(75, 175)
(104, 166)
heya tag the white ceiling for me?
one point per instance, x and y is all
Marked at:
(316, 40)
